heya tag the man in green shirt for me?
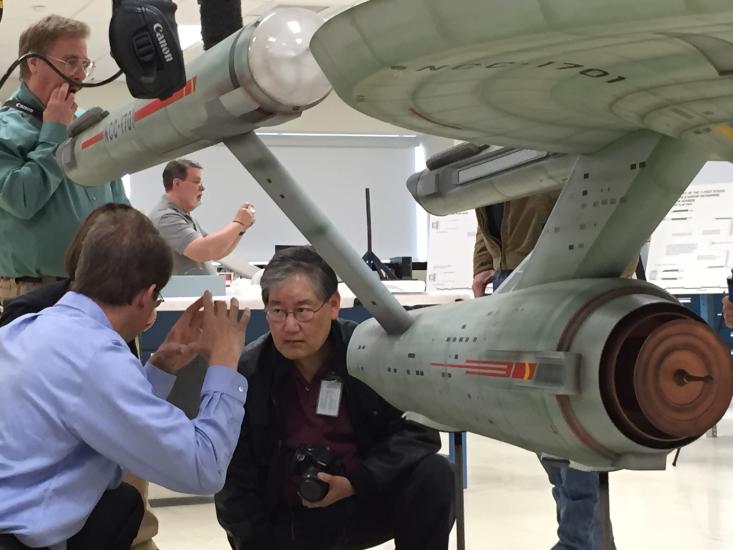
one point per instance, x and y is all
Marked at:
(40, 209)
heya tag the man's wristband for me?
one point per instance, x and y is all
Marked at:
(243, 230)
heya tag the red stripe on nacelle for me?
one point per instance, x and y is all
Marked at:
(488, 362)
(524, 371)
(472, 367)
(96, 138)
(156, 105)
(502, 369)
(504, 374)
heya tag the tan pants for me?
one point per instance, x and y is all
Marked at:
(10, 287)
(149, 525)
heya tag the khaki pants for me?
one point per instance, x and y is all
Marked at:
(149, 525)
(11, 287)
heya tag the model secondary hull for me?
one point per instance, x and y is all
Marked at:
(605, 373)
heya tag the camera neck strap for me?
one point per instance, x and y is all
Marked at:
(24, 108)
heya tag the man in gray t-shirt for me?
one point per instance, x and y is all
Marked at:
(193, 248)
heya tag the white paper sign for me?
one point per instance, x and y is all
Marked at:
(450, 251)
(691, 252)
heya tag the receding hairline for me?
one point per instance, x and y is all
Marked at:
(193, 167)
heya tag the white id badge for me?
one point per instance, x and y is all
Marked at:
(329, 398)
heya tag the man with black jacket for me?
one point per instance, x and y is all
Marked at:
(386, 480)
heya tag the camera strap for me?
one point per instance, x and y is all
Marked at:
(329, 397)
(24, 108)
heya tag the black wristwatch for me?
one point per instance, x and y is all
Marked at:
(243, 230)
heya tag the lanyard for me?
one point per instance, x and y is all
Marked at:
(24, 108)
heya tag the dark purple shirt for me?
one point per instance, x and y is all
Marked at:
(305, 427)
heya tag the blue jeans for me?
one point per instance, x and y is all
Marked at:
(576, 496)
(577, 499)
(500, 277)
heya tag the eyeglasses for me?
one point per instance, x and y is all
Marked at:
(159, 300)
(75, 64)
(302, 314)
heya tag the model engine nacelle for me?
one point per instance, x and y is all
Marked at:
(468, 176)
(606, 373)
(262, 75)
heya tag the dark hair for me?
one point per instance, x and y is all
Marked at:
(121, 255)
(177, 169)
(71, 258)
(299, 260)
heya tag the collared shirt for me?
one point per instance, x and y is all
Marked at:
(179, 229)
(76, 405)
(40, 209)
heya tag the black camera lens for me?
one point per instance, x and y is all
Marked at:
(307, 462)
(312, 489)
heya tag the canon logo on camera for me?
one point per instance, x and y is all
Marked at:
(167, 55)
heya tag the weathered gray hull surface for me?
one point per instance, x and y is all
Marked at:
(540, 368)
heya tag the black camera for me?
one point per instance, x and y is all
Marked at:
(305, 466)
(143, 38)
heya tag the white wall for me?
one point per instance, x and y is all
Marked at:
(715, 172)
(334, 170)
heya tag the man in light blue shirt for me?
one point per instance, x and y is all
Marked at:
(76, 407)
